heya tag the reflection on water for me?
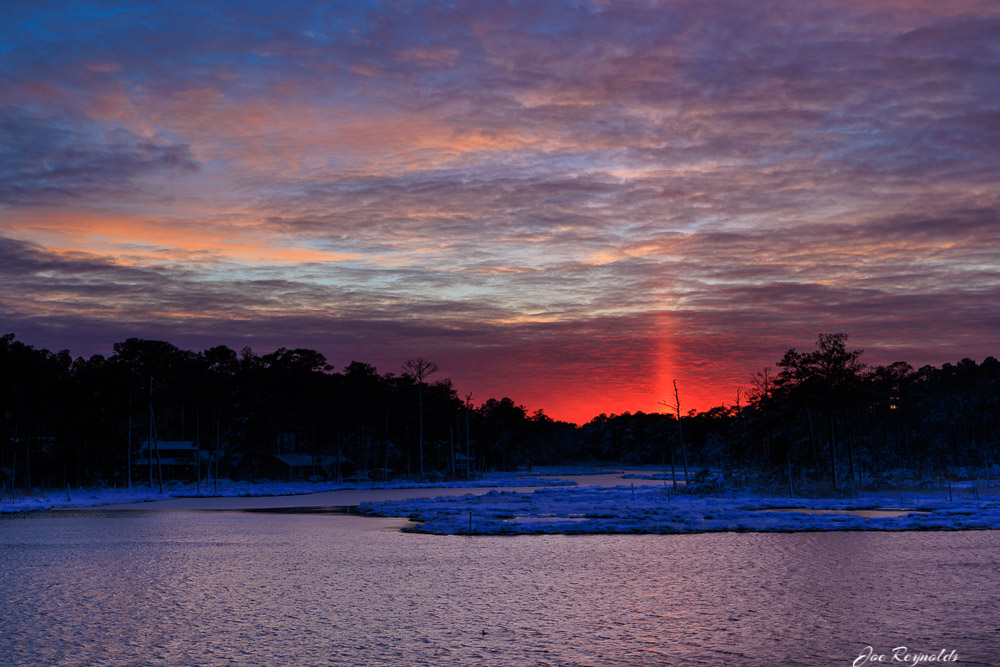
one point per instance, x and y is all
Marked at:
(225, 588)
(865, 514)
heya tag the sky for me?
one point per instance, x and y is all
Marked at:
(568, 203)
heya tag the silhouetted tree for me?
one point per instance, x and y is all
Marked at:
(825, 414)
(419, 369)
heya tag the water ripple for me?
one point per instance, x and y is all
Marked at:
(213, 589)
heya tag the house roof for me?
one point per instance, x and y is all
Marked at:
(173, 444)
(304, 460)
(298, 460)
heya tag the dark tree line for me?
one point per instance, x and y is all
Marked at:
(826, 419)
(822, 417)
(86, 421)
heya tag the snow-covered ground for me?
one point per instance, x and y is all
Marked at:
(568, 475)
(81, 498)
(652, 509)
(570, 500)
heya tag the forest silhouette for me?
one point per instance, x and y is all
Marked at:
(819, 420)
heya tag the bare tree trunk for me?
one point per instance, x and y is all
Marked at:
(680, 431)
(850, 446)
(149, 437)
(965, 429)
(812, 434)
(155, 441)
(451, 438)
(217, 438)
(673, 468)
(159, 465)
(468, 446)
(128, 469)
(788, 460)
(420, 392)
(419, 369)
(833, 451)
(197, 449)
(739, 420)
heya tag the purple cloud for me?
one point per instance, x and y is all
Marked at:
(559, 198)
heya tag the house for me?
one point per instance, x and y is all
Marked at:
(303, 466)
(177, 458)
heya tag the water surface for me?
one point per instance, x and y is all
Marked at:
(241, 588)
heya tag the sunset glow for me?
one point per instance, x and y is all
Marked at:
(571, 204)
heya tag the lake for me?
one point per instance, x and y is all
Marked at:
(249, 588)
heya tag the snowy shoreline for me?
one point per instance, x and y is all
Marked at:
(83, 498)
(565, 500)
(648, 509)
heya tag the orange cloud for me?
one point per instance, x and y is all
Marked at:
(133, 240)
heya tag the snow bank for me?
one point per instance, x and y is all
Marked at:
(657, 510)
(623, 471)
(63, 499)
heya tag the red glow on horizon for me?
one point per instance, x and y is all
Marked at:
(584, 404)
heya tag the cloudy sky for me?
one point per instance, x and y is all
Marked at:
(567, 203)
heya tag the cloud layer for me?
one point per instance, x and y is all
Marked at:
(568, 203)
